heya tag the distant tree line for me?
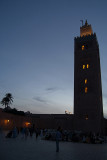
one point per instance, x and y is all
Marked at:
(14, 111)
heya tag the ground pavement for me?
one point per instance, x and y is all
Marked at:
(32, 149)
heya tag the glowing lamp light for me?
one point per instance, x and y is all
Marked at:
(27, 124)
(6, 121)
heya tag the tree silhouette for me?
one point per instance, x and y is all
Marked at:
(7, 100)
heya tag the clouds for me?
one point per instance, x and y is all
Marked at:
(44, 97)
(40, 99)
(47, 101)
(52, 89)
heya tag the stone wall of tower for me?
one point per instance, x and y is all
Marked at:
(88, 108)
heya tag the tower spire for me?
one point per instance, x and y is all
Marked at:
(86, 24)
(86, 29)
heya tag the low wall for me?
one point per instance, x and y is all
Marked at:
(8, 121)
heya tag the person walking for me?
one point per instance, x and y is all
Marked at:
(58, 138)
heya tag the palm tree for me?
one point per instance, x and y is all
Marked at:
(4, 101)
(8, 99)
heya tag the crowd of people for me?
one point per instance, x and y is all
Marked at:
(24, 132)
(76, 136)
(56, 135)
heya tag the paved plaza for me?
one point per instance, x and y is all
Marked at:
(32, 149)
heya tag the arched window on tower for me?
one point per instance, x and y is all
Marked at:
(83, 47)
(87, 65)
(83, 66)
(85, 80)
(86, 89)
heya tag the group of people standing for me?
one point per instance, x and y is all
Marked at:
(25, 132)
(30, 131)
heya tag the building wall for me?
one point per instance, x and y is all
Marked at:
(65, 121)
(8, 121)
(49, 121)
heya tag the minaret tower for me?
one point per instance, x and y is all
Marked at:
(88, 108)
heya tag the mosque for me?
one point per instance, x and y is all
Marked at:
(88, 103)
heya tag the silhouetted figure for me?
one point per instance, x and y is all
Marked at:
(37, 132)
(58, 138)
(26, 132)
(23, 132)
(31, 131)
(41, 133)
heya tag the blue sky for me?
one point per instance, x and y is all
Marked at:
(37, 51)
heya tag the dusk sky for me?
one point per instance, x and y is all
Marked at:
(37, 51)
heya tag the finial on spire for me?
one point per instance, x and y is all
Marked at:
(86, 23)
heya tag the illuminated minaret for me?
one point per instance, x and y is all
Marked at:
(88, 108)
